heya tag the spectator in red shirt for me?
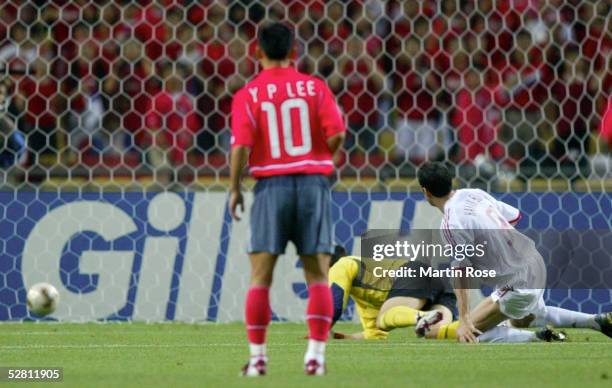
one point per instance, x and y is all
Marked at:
(521, 98)
(133, 77)
(84, 123)
(603, 84)
(40, 94)
(418, 123)
(573, 102)
(476, 120)
(605, 129)
(173, 123)
(363, 83)
(151, 29)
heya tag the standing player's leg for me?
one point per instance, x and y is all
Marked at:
(312, 236)
(257, 308)
(271, 217)
(320, 310)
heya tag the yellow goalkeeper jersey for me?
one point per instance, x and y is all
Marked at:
(352, 275)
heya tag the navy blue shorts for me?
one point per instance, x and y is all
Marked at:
(294, 208)
(433, 290)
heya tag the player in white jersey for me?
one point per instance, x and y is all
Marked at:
(472, 217)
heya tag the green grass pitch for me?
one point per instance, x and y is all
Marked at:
(210, 355)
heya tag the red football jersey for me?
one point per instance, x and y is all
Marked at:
(285, 118)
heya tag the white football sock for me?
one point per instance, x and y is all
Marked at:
(507, 334)
(316, 350)
(559, 317)
(257, 350)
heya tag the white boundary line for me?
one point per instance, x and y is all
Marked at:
(203, 330)
(407, 345)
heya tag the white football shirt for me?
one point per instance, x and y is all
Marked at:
(472, 216)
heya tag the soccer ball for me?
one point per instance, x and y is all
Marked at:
(42, 299)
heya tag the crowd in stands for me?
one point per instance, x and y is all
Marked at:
(516, 83)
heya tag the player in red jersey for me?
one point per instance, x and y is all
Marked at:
(289, 127)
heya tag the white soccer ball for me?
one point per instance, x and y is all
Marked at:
(42, 299)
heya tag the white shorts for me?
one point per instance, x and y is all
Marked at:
(519, 303)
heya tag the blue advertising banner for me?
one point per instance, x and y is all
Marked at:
(169, 256)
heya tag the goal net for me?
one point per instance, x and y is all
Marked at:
(114, 137)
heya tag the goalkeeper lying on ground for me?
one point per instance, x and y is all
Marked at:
(384, 303)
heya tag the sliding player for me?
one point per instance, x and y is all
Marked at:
(470, 216)
(384, 303)
(289, 126)
(549, 315)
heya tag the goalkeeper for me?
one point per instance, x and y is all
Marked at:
(384, 303)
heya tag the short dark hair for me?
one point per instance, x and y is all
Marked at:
(437, 178)
(276, 40)
(339, 252)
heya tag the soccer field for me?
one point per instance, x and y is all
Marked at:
(177, 355)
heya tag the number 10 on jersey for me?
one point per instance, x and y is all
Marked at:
(287, 126)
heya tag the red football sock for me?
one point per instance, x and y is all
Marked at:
(319, 312)
(258, 314)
